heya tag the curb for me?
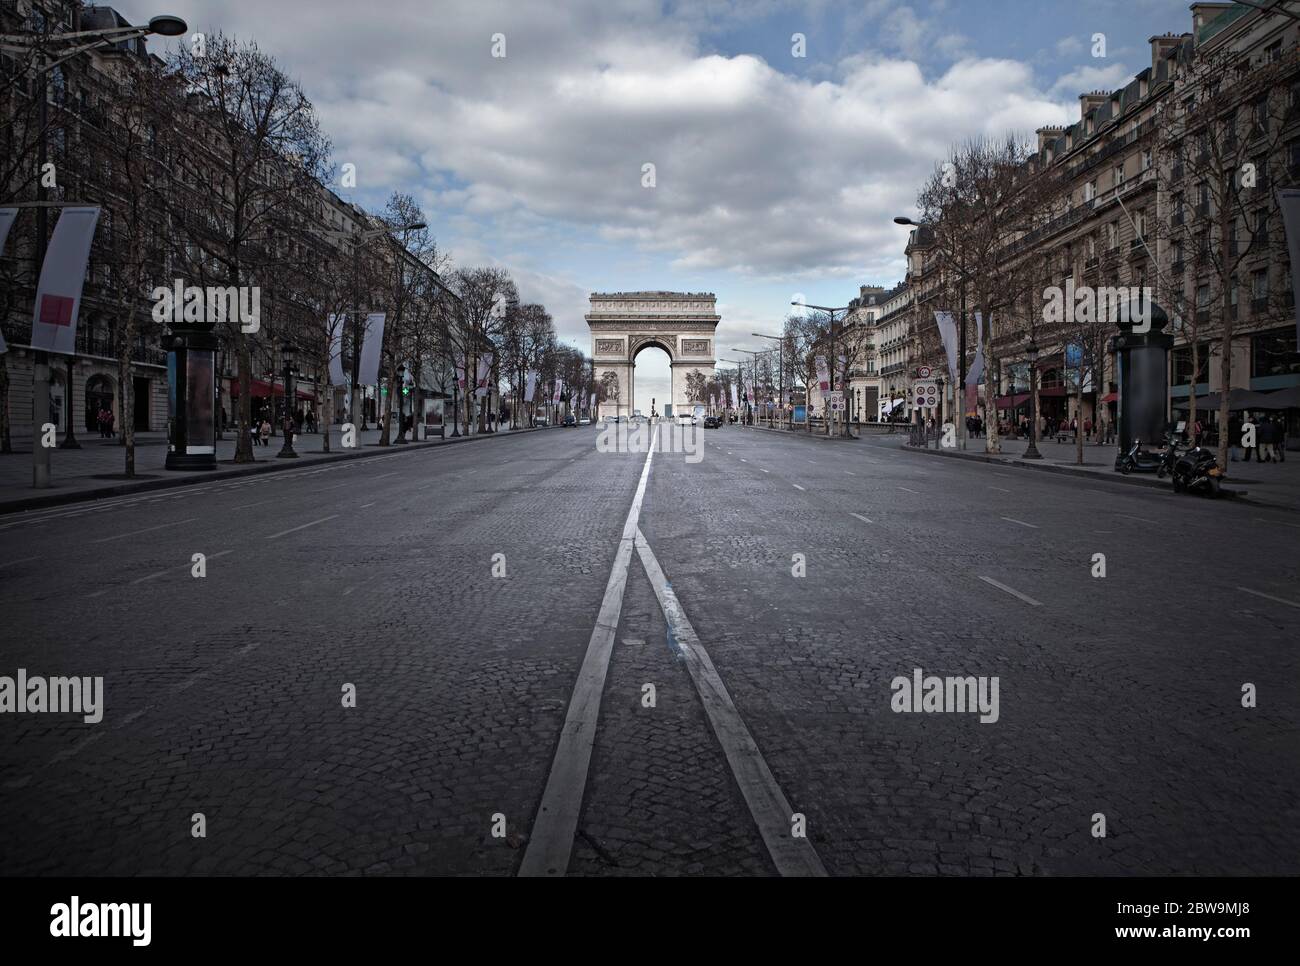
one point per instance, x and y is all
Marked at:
(804, 434)
(1238, 496)
(193, 478)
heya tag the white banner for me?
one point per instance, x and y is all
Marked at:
(372, 346)
(7, 217)
(481, 386)
(531, 385)
(337, 376)
(555, 396)
(58, 296)
(977, 367)
(1289, 200)
(591, 406)
(948, 332)
(823, 377)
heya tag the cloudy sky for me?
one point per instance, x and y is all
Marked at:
(775, 174)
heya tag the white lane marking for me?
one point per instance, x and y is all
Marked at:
(796, 486)
(134, 533)
(767, 471)
(1257, 520)
(1012, 591)
(302, 527)
(743, 460)
(850, 472)
(98, 593)
(551, 839)
(767, 803)
(348, 591)
(140, 580)
(188, 566)
(245, 506)
(394, 473)
(860, 517)
(1141, 519)
(1000, 489)
(909, 489)
(1280, 600)
(1031, 526)
(364, 505)
(812, 461)
(11, 563)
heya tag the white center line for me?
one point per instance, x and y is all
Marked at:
(850, 472)
(909, 490)
(302, 527)
(1000, 489)
(767, 803)
(1031, 526)
(1289, 603)
(767, 471)
(1130, 516)
(796, 486)
(550, 842)
(364, 505)
(133, 533)
(860, 517)
(1012, 591)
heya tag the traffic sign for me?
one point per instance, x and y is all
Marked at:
(835, 401)
(923, 372)
(925, 393)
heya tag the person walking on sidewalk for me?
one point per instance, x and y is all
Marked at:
(1265, 436)
(266, 432)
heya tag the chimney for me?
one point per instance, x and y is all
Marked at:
(1203, 13)
(1047, 136)
(1161, 45)
(1091, 100)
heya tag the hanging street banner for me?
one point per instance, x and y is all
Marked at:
(1289, 199)
(948, 332)
(58, 294)
(7, 218)
(823, 376)
(372, 345)
(735, 399)
(976, 372)
(531, 386)
(337, 376)
(484, 375)
(555, 396)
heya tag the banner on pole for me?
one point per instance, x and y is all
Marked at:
(948, 333)
(1289, 200)
(58, 294)
(481, 386)
(823, 376)
(531, 385)
(7, 218)
(372, 345)
(337, 376)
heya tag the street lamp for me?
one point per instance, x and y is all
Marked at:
(833, 358)
(290, 391)
(780, 367)
(1031, 351)
(961, 337)
(401, 404)
(167, 26)
(753, 362)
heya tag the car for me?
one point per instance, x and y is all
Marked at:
(569, 420)
(540, 422)
(686, 419)
(584, 421)
(712, 422)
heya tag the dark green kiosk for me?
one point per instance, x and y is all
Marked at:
(1142, 370)
(191, 397)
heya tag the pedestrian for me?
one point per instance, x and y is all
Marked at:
(1279, 438)
(1249, 439)
(1265, 437)
(266, 432)
(1087, 428)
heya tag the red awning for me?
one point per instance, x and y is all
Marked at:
(259, 389)
(1011, 402)
(1110, 397)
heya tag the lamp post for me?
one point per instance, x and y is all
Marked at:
(1031, 351)
(290, 391)
(754, 354)
(401, 404)
(84, 40)
(780, 368)
(961, 336)
(833, 358)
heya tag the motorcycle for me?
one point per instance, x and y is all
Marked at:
(1138, 460)
(1198, 471)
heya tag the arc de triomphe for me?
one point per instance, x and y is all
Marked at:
(624, 323)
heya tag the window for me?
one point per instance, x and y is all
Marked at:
(1118, 173)
(1182, 360)
(1146, 159)
(1202, 297)
(1090, 191)
(1259, 285)
(1112, 235)
(1274, 353)
(1140, 223)
(1259, 115)
(1273, 52)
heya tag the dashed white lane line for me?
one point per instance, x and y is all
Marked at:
(1000, 489)
(11, 563)
(796, 486)
(1256, 519)
(767, 471)
(133, 533)
(1012, 591)
(850, 472)
(909, 489)
(364, 505)
(550, 842)
(1280, 600)
(187, 566)
(301, 527)
(860, 517)
(1129, 516)
(1022, 523)
(767, 803)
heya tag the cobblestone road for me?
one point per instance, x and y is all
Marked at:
(1118, 695)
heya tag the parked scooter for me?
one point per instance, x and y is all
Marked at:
(1139, 460)
(1197, 471)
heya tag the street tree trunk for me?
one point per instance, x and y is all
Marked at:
(128, 405)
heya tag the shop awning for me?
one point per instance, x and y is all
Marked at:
(1110, 397)
(1012, 402)
(259, 389)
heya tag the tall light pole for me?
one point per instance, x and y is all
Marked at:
(780, 368)
(83, 40)
(961, 337)
(833, 358)
(740, 367)
(1031, 352)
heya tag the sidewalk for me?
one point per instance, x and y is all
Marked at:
(95, 470)
(1275, 485)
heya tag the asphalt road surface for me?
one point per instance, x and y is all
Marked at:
(500, 609)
